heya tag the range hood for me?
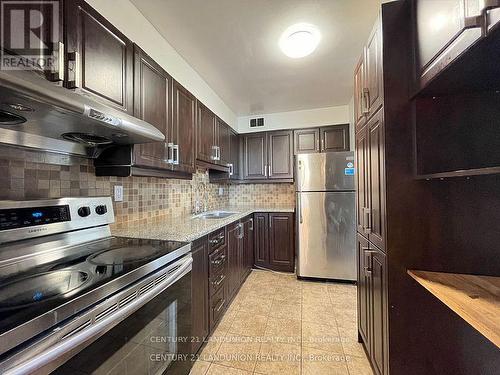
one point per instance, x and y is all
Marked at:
(38, 114)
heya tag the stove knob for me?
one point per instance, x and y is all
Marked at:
(101, 210)
(84, 211)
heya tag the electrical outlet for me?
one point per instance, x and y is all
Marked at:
(221, 191)
(118, 193)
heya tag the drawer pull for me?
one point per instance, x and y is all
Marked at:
(218, 309)
(218, 282)
(219, 260)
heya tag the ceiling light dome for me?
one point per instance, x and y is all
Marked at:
(300, 40)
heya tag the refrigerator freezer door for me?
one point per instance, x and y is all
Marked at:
(326, 235)
(328, 171)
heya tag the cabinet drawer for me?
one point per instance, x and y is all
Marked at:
(217, 306)
(217, 281)
(217, 260)
(216, 239)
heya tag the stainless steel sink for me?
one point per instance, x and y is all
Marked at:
(214, 215)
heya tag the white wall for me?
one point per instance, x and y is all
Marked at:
(127, 18)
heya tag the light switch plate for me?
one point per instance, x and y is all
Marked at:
(118, 193)
(221, 191)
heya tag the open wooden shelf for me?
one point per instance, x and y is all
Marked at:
(476, 299)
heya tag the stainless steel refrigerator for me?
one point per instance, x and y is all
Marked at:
(326, 215)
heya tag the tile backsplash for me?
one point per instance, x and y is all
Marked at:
(28, 175)
(143, 197)
(254, 194)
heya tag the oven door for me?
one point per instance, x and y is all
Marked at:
(148, 336)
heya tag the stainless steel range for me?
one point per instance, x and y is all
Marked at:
(74, 299)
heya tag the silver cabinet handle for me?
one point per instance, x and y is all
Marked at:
(367, 220)
(76, 59)
(170, 154)
(214, 153)
(58, 73)
(265, 170)
(231, 169)
(216, 283)
(270, 168)
(218, 153)
(366, 101)
(251, 225)
(175, 154)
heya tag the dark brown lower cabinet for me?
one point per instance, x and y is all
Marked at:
(233, 258)
(373, 304)
(274, 246)
(199, 293)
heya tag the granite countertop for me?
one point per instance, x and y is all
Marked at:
(187, 228)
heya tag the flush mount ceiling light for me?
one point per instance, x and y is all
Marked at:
(300, 40)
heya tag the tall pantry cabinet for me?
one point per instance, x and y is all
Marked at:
(381, 89)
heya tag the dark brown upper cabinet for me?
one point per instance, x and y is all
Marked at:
(205, 134)
(359, 101)
(327, 139)
(223, 138)
(255, 156)
(280, 155)
(99, 58)
(268, 155)
(444, 31)
(183, 128)
(335, 138)
(368, 79)
(373, 88)
(234, 167)
(306, 141)
(152, 103)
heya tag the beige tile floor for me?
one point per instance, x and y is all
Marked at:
(279, 325)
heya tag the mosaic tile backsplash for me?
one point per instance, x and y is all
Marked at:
(34, 175)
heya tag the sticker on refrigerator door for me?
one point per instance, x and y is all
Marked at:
(349, 171)
(350, 165)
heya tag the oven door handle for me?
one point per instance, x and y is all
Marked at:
(97, 329)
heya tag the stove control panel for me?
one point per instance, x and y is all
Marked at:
(26, 219)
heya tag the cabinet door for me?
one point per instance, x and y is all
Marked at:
(306, 141)
(281, 242)
(335, 138)
(362, 180)
(444, 30)
(248, 239)
(205, 134)
(224, 142)
(280, 155)
(100, 58)
(199, 292)
(373, 89)
(261, 239)
(359, 103)
(379, 305)
(152, 103)
(183, 128)
(376, 183)
(255, 156)
(235, 154)
(233, 259)
(364, 290)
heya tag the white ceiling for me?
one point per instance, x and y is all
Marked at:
(233, 45)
